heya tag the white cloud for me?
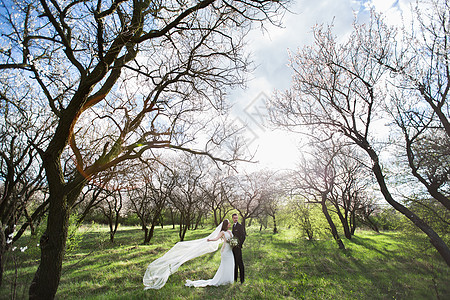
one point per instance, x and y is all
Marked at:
(395, 11)
(270, 53)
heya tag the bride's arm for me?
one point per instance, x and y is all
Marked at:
(218, 237)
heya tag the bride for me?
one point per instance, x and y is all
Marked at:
(225, 273)
(158, 271)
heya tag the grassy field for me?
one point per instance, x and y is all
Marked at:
(374, 266)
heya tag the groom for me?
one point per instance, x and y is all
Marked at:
(239, 232)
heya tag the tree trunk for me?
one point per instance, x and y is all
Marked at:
(181, 227)
(146, 239)
(275, 230)
(2, 250)
(152, 228)
(352, 222)
(150, 234)
(183, 232)
(116, 225)
(52, 243)
(172, 218)
(309, 229)
(199, 218)
(434, 192)
(435, 239)
(372, 224)
(111, 229)
(215, 217)
(185, 223)
(344, 222)
(331, 223)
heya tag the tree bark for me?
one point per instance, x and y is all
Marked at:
(344, 222)
(149, 236)
(161, 221)
(215, 218)
(331, 223)
(352, 222)
(172, 217)
(2, 250)
(52, 244)
(372, 224)
(145, 229)
(53, 241)
(435, 239)
(275, 230)
(185, 223)
(113, 224)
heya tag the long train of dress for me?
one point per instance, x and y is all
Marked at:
(225, 273)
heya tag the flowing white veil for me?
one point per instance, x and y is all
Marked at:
(159, 270)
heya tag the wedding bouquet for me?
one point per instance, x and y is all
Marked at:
(233, 242)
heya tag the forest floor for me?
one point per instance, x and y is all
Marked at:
(388, 265)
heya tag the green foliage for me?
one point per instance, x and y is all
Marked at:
(74, 236)
(374, 266)
(95, 215)
(433, 213)
(33, 241)
(390, 219)
(131, 220)
(308, 219)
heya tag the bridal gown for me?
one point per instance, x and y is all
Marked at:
(225, 273)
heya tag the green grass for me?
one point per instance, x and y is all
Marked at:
(374, 266)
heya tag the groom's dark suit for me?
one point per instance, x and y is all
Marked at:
(239, 232)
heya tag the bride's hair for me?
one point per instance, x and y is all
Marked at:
(225, 225)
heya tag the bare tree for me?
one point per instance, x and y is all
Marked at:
(349, 186)
(419, 89)
(95, 193)
(338, 91)
(187, 195)
(139, 69)
(249, 194)
(148, 198)
(422, 71)
(274, 195)
(89, 199)
(364, 215)
(23, 201)
(315, 179)
(216, 192)
(302, 212)
(111, 207)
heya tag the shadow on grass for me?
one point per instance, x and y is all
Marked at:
(277, 266)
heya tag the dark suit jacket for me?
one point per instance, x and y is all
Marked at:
(239, 232)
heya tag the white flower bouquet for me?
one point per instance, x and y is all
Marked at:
(233, 241)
